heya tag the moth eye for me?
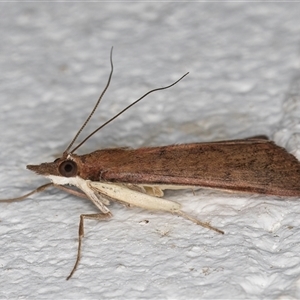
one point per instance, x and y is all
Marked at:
(68, 168)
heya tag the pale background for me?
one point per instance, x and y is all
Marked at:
(243, 60)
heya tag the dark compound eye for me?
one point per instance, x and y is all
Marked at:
(68, 168)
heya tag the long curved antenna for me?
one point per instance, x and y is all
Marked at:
(135, 102)
(95, 107)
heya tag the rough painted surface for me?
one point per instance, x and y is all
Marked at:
(244, 80)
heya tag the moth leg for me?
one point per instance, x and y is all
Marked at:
(72, 191)
(154, 191)
(145, 189)
(37, 190)
(99, 217)
(198, 222)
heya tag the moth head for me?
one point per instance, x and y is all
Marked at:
(63, 167)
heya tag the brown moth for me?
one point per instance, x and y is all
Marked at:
(138, 177)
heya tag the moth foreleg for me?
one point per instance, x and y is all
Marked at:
(37, 190)
(98, 217)
(72, 191)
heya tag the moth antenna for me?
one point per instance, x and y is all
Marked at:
(126, 108)
(95, 107)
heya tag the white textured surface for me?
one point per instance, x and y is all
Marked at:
(244, 65)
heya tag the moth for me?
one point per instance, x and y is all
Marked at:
(138, 177)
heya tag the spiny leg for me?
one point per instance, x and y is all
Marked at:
(203, 224)
(81, 234)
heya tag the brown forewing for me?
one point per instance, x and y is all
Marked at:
(250, 165)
